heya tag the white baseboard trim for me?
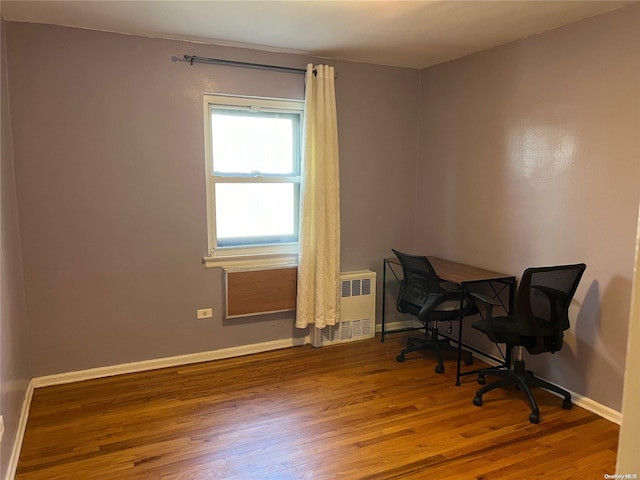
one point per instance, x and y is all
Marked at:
(396, 325)
(100, 372)
(22, 426)
(577, 399)
(595, 407)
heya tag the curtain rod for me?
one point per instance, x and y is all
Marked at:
(193, 59)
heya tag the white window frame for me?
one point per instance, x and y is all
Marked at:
(244, 256)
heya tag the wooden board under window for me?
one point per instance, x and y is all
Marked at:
(255, 292)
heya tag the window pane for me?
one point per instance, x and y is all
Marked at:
(253, 142)
(255, 214)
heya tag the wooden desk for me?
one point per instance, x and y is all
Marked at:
(460, 274)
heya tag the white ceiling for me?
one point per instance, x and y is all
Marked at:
(413, 34)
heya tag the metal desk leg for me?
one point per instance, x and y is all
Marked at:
(384, 297)
(512, 296)
(460, 335)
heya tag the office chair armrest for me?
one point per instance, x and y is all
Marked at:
(552, 293)
(434, 300)
(488, 304)
(447, 286)
(556, 299)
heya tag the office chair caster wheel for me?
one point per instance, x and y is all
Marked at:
(481, 380)
(439, 368)
(400, 358)
(477, 400)
(566, 404)
(468, 361)
(534, 417)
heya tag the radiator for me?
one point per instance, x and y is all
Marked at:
(357, 311)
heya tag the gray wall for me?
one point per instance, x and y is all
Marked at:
(14, 352)
(109, 155)
(530, 155)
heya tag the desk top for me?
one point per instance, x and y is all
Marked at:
(459, 272)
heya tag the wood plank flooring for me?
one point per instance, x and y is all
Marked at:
(344, 412)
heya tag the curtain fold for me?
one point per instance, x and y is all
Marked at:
(318, 298)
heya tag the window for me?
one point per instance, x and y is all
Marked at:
(253, 150)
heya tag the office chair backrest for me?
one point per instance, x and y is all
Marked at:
(542, 304)
(419, 280)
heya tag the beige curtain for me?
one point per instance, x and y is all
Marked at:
(318, 299)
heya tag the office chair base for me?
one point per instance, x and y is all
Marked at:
(523, 380)
(415, 344)
(481, 373)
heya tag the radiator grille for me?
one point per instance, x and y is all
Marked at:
(357, 305)
(356, 287)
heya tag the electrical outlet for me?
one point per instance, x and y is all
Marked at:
(205, 313)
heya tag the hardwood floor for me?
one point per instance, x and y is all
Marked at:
(341, 412)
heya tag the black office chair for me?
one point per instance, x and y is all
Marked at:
(423, 296)
(539, 319)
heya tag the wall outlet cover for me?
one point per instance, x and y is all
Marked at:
(204, 313)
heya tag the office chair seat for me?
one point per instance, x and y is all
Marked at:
(451, 305)
(503, 329)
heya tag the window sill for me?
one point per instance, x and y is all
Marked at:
(266, 260)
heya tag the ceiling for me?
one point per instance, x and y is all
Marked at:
(414, 34)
